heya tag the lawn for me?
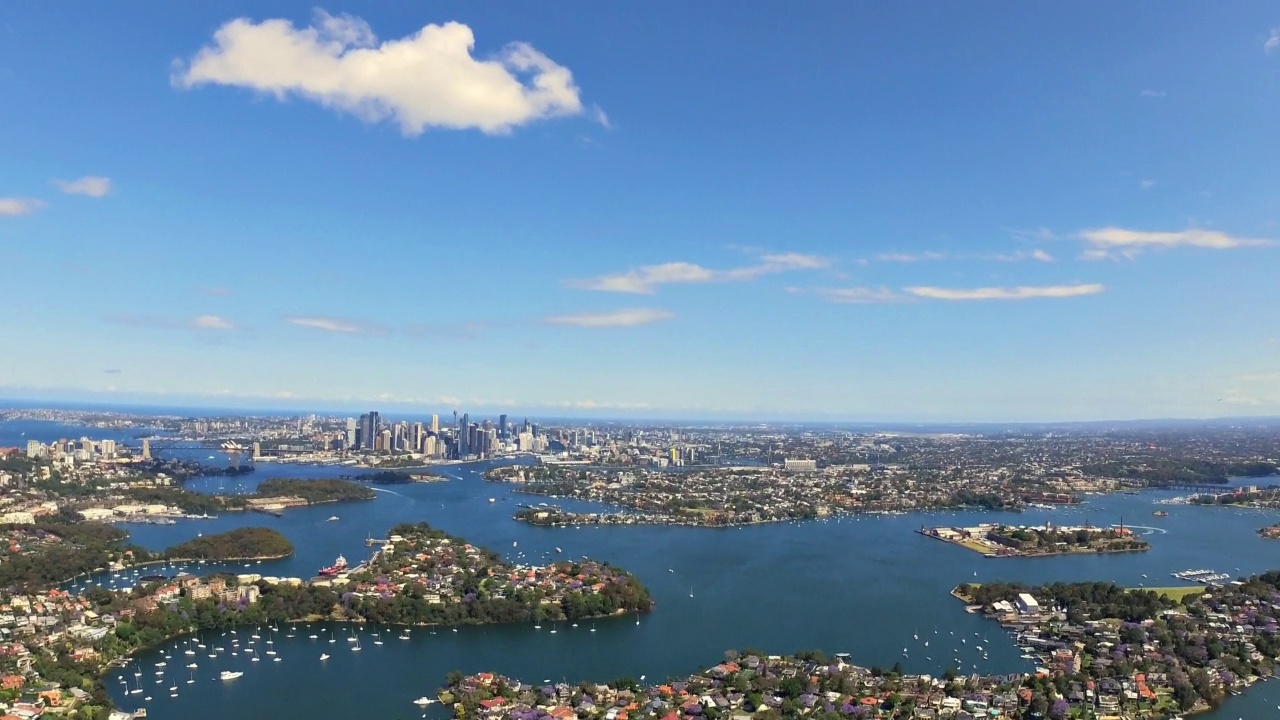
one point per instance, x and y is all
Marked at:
(1175, 593)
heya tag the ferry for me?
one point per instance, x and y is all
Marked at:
(229, 675)
(338, 566)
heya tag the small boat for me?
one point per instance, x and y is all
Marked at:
(229, 675)
(333, 518)
(423, 701)
(324, 656)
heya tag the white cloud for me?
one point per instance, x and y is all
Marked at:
(328, 324)
(212, 322)
(853, 295)
(1006, 293)
(1146, 184)
(1153, 93)
(424, 80)
(617, 318)
(15, 207)
(1114, 242)
(1038, 255)
(1018, 256)
(644, 280)
(90, 185)
(1273, 42)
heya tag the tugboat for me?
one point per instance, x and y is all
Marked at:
(338, 566)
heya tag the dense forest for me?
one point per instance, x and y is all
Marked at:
(314, 491)
(239, 544)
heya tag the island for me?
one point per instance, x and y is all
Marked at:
(1272, 532)
(994, 540)
(1099, 650)
(249, 543)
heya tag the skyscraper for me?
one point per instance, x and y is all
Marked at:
(435, 424)
(502, 427)
(464, 439)
(351, 433)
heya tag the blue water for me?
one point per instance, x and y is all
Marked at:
(863, 586)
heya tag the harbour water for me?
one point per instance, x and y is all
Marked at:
(864, 586)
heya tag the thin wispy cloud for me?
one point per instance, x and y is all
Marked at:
(645, 280)
(1115, 242)
(1272, 42)
(89, 185)
(199, 322)
(330, 324)
(933, 256)
(428, 79)
(1153, 93)
(617, 318)
(1023, 292)
(852, 295)
(17, 207)
(1146, 184)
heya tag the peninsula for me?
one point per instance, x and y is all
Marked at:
(1099, 650)
(1022, 541)
(418, 576)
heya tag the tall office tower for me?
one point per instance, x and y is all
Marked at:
(429, 446)
(534, 429)
(435, 424)
(146, 449)
(415, 437)
(364, 438)
(491, 442)
(384, 440)
(351, 433)
(464, 436)
(502, 426)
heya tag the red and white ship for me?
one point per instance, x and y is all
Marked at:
(338, 566)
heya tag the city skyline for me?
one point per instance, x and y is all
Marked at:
(825, 212)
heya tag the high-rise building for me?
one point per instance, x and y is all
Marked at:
(415, 437)
(502, 426)
(464, 436)
(36, 449)
(108, 448)
(351, 433)
(435, 424)
(146, 449)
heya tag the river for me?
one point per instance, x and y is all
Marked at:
(864, 586)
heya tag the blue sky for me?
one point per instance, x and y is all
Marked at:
(1040, 211)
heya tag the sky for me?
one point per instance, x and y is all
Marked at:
(822, 210)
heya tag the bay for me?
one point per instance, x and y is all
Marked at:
(864, 586)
